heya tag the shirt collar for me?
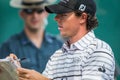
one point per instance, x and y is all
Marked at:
(80, 44)
(24, 39)
(48, 38)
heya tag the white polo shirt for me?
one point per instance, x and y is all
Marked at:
(87, 59)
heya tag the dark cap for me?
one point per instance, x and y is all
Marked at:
(65, 6)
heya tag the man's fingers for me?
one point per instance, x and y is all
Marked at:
(21, 78)
(13, 56)
(26, 76)
(23, 74)
(23, 71)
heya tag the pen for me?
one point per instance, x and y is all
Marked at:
(16, 62)
(20, 59)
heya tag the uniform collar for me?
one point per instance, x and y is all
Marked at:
(48, 37)
(25, 40)
(80, 44)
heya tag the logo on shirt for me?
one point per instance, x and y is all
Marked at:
(102, 69)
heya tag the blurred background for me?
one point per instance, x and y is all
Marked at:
(108, 30)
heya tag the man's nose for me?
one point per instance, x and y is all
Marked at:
(57, 18)
(35, 14)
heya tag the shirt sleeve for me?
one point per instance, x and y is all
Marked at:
(47, 71)
(99, 66)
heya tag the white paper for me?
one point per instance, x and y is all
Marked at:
(8, 70)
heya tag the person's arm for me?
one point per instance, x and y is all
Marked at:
(99, 66)
(26, 74)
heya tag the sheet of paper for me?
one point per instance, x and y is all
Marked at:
(7, 70)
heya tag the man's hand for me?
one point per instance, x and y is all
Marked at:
(26, 74)
(13, 58)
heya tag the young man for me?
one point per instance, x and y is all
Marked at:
(83, 56)
(33, 43)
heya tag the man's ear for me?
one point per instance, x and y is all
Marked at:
(83, 18)
(21, 13)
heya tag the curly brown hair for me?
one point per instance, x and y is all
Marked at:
(92, 21)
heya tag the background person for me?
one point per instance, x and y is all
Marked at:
(33, 43)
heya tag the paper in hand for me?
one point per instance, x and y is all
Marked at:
(8, 69)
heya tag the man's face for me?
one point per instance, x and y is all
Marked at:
(68, 24)
(34, 18)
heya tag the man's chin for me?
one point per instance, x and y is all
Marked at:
(33, 29)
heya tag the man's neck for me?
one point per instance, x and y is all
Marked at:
(77, 37)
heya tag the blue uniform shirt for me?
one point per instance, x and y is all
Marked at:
(36, 58)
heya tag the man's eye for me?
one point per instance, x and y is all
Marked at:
(64, 15)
